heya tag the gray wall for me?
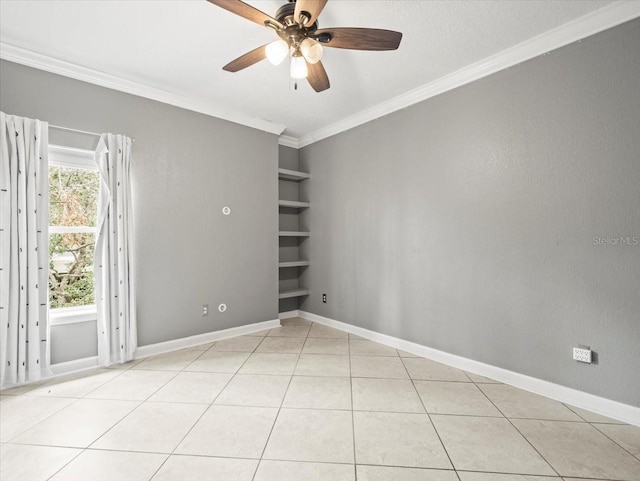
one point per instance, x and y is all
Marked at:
(466, 222)
(186, 167)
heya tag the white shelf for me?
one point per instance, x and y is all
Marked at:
(292, 175)
(290, 233)
(293, 264)
(293, 293)
(293, 203)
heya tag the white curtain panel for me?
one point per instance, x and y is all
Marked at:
(113, 262)
(24, 250)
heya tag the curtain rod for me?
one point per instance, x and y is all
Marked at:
(79, 131)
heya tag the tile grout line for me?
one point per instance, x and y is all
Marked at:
(593, 425)
(152, 394)
(52, 414)
(212, 402)
(344, 463)
(344, 409)
(82, 450)
(580, 420)
(429, 417)
(568, 406)
(353, 415)
(520, 433)
(234, 375)
(275, 420)
(467, 376)
(85, 449)
(75, 400)
(140, 403)
(545, 476)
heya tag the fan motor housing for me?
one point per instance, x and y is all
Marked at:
(284, 11)
(287, 10)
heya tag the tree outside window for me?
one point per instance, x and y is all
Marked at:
(73, 199)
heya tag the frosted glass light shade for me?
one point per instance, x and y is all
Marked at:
(311, 50)
(298, 67)
(277, 51)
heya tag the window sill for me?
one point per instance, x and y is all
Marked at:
(72, 315)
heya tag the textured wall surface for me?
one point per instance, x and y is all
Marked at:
(186, 167)
(466, 223)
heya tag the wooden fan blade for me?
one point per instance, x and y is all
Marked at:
(246, 11)
(360, 38)
(317, 77)
(247, 60)
(311, 8)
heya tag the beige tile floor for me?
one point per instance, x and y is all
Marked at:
(302, 402)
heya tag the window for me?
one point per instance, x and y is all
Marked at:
(74, 184)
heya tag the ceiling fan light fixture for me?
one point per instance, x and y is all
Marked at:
(277, 51)
(298, 66)
(296, 24)
(311, 50)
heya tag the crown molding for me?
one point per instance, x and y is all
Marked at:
(289, 141)
(585, 26)
(29, 58)
(582, 27)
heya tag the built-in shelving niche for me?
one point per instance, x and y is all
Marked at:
(291, 233)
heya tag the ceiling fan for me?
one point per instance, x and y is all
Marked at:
(301, 39)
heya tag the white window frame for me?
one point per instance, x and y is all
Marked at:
(73, 158)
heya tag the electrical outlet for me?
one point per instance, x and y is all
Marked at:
(582, 354)
(205, 309)
(324, 298)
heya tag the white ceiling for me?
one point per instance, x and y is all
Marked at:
(181, 46)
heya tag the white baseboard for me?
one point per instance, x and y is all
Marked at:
(599, 405)
(61, 369)
(87, 363)
(76, 365)
(175, 344)
(289, 314)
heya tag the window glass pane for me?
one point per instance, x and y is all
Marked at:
(71, 270)
(73, 196)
